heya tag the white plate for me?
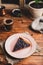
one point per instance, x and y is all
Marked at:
(36, 25)
(11, 41)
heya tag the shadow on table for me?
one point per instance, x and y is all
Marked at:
(2, 29)
(30, 28)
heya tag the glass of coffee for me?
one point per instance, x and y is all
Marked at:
(8, 24)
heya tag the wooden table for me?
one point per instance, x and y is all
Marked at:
(21, 24)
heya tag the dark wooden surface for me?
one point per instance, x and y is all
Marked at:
(21, 24)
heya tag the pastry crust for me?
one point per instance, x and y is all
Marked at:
(25, 43)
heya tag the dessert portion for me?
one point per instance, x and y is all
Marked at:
(20, 44)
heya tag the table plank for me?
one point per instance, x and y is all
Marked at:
(22, 24)
(33, 60)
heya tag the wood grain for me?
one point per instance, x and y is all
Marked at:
(22, 24)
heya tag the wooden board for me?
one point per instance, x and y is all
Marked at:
(22, 24)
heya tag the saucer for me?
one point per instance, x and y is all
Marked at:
(26, 52)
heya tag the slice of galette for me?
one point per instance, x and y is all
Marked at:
(21, 44)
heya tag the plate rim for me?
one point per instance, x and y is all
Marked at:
(19, 57)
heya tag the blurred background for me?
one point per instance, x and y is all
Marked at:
(14, 1)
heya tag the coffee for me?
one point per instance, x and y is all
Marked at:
(8, 21)
(8, 24)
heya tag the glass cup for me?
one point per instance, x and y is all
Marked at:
(8, 24)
